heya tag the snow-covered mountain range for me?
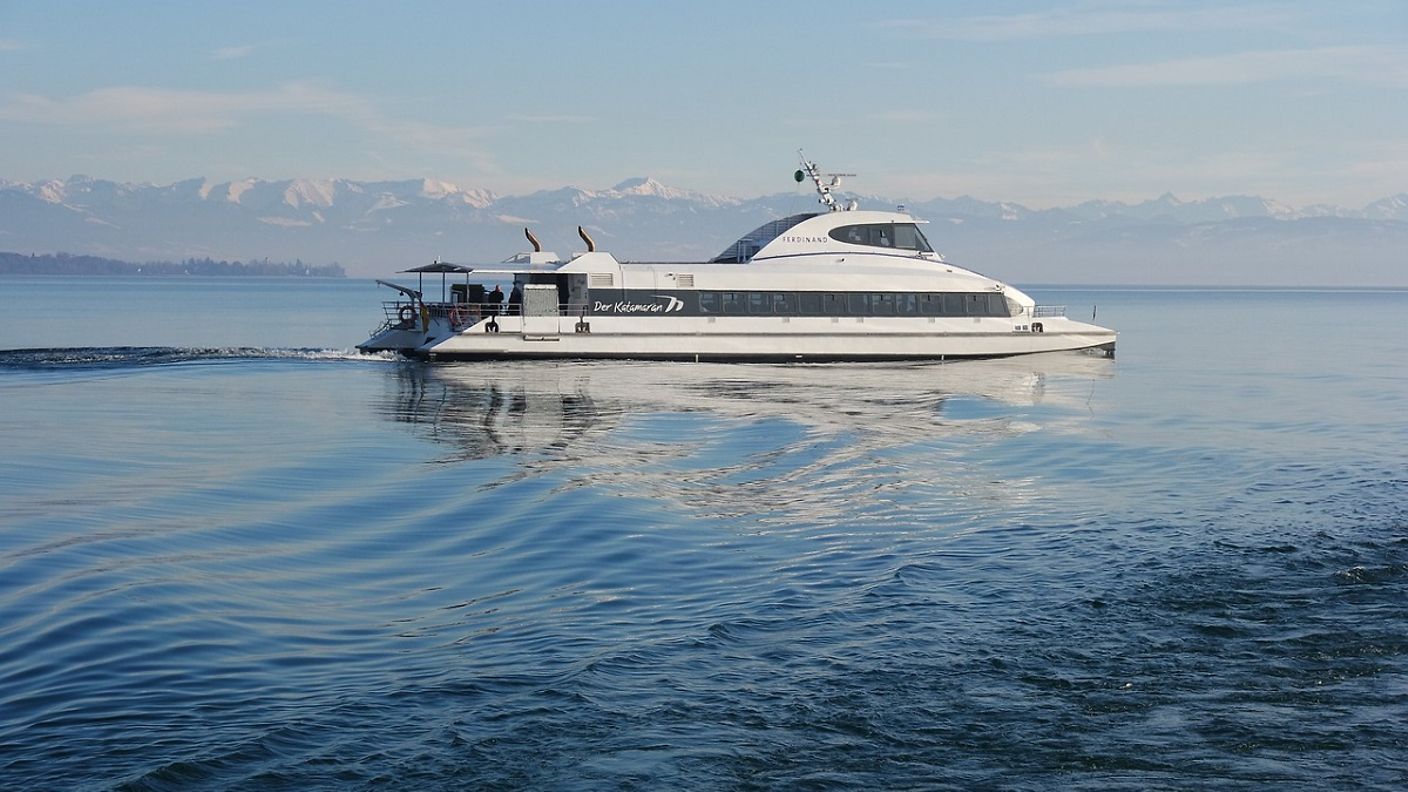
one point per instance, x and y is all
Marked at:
(373, 228)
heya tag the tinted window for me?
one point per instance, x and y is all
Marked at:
(852, 234)
(907, 304)
(857, 304)
(833, 304)
(758, 303)
(905, 236)
(908, 237)
(811, 303)
(783, 303)
(708, 302)
(953, 305)
(882, 304)
(732, 303)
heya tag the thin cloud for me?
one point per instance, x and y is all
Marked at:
(903, 116)
(232, 53)
(1092, 21)
(1050, 176)
(12, 45)
(164, 111)
(551, 119)
(1359, 64)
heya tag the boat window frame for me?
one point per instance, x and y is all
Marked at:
(774, 302)
(882, 235)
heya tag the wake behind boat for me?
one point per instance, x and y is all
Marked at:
(844, 284)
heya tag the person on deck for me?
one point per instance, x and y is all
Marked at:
(496, 299)
(515, 301)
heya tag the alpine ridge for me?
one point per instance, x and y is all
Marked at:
(374, 227)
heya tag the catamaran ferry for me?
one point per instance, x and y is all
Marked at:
(844, 284)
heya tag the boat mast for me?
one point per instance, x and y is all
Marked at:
(824, 190)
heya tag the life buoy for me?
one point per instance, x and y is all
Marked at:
(407, 314)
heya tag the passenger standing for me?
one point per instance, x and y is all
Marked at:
(496, 299)
(515, 300)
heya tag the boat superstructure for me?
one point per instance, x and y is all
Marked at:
(841, 284)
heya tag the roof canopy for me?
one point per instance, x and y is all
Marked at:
(440, 266)
(757, 239)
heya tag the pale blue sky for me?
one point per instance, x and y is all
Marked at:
(1037, 102)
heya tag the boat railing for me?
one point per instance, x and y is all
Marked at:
(406, 314)
(1048, 311)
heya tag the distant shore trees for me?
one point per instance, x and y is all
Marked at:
(69, 264)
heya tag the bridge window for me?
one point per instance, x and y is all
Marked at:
(908, 237)
(904, 236)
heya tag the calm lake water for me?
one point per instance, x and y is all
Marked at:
(236, 555)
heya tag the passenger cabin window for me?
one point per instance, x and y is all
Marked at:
(837, 304)
(903, 236)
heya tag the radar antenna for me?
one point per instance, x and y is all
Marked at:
(825, 183)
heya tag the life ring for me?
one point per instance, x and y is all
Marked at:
(407, 314)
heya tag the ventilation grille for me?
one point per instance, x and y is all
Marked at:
(685, 281)
(598, 280)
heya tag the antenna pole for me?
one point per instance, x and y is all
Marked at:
(823, 190)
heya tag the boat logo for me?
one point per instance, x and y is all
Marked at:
(672, 304)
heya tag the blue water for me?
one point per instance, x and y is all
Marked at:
(235, 555)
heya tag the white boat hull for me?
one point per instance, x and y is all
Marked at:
(810, 339)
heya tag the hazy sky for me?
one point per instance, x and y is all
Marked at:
(1037, 102)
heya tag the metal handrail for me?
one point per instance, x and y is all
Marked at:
(1048, 310)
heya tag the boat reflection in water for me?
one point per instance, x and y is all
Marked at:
(728, 440)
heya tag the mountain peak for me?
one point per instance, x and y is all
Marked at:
(310, 192)
(638, 181)
(645, 185)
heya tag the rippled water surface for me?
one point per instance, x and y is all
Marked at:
(235, 556)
